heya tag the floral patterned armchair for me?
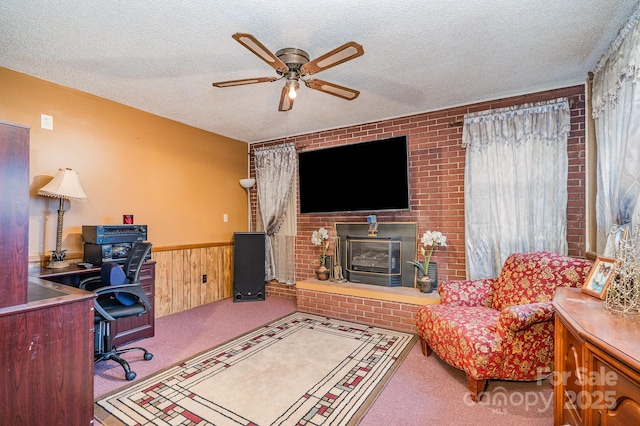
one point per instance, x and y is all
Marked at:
(500, 328)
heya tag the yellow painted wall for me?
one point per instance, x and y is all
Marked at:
(177, 179)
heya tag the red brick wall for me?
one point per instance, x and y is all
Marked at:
(379, 313)
(436, 168)
(280, 289)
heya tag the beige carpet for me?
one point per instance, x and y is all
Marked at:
(300, 370)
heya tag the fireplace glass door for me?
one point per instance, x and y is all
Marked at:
(374, 260)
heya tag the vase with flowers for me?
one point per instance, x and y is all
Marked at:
(429, 240)
(321, 238)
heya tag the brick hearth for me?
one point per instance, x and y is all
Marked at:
(389, 307)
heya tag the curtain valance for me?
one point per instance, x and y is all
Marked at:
(620, 63)
(548, 121)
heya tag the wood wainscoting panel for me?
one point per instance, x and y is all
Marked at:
(178, 282)
(191, 262)
(163, 282)
(217, 264)
(179, 276)
(210, 264)
(227, 272)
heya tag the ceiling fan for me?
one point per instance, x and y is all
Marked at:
(294, 65)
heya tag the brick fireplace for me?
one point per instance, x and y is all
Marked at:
(380, 290)
(379, 259)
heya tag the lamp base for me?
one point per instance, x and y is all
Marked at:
(58, 264)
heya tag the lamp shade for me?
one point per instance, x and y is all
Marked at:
(66, 184)
(247, 183)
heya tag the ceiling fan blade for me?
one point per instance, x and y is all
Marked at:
(332, 89)
(251, 43)
(286, 103)
(244, 81)
(337, 56)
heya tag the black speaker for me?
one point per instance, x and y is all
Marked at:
(248, 266)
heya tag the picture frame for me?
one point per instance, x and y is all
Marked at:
(600, 277)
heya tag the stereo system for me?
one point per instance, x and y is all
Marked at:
(107, 234)
(111, 243)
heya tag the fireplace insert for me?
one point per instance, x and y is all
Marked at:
(375, 261)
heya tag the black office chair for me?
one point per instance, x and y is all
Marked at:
(120, 295)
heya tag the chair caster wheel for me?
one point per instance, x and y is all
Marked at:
(147, 356)
(130, 375)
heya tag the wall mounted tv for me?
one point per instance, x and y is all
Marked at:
(361, 177)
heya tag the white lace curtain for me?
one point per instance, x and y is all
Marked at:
(275, 172)
(616, 112)
(515, 183)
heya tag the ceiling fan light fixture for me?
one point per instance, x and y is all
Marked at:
(293, 88)
(293, 65)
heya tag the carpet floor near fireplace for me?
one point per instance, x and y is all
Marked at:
(300, 370)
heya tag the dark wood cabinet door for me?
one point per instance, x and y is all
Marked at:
(46, 359)
(127, 330)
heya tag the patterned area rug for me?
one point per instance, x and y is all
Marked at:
(300, 370)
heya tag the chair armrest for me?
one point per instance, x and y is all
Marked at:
(133, 289)
(467, 292)
(519, 317)
(90, 284)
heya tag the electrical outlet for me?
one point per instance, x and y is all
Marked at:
(46, 121)
(225, 217)
(204, 278)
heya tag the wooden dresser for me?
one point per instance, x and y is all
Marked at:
(597, 362)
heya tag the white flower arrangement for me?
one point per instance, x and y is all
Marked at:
(429, 239)
(321, 238)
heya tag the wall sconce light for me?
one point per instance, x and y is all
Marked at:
(65, 185)
(248, 184)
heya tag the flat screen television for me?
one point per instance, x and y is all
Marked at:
(360, 177)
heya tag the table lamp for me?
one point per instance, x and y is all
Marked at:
(248, 184)
(65, 185)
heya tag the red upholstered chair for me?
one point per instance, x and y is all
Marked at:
(500, 328)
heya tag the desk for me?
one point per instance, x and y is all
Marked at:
(46, 357)
(70, 276)
(124, 330)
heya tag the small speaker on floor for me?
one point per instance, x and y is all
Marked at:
(248, 266)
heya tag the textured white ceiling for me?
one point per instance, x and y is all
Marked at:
(162, 56)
